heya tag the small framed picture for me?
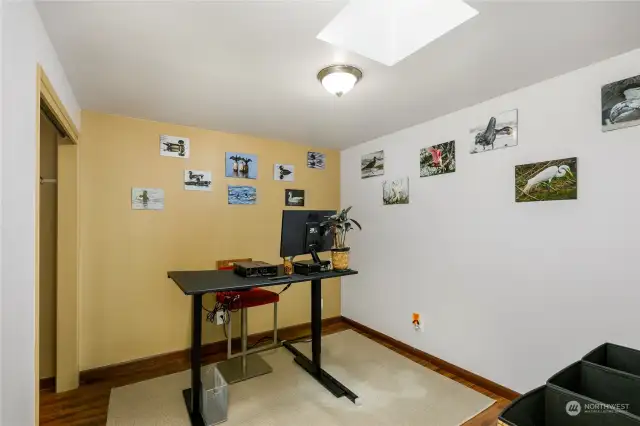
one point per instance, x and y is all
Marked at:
(294, 197)
(197, 180)
(315, 160)
(283, 172)
(174, 146)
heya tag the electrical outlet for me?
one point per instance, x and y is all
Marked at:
(417, 322)
(220, 318)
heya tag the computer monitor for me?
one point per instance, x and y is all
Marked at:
(302, 233)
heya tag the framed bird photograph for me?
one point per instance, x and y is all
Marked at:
(438, 159)
(238, 165)
(621, 104)
(372, 164)
(283, 172)
(497, 131)
(294, 197)
(547, 180)
(174, 146)
(197, 180)
(395, 191)
(316, 160)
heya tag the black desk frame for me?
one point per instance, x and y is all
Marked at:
(192, 396)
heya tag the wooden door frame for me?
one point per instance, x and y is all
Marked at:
(47, 96)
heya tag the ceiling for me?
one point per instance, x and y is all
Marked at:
(250, 66)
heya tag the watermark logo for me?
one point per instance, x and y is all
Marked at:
(573, 408)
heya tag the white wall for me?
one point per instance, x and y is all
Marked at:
(512, 292)
(24, 44)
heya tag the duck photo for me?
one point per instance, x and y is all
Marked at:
(372, 164)
(174, 146)
(283, 172)
(197, 180)
(315, 160)
(294, 197)
(547, 180)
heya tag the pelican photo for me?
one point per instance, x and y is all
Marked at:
(372, 164)
(294, 197)
(238, 165)
(621, 104)
(547, 180)
(395, 191)
(147, 199)
(498, 131)
(283, 172)
(438, 159)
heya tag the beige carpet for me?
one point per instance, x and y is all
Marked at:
(393, 390)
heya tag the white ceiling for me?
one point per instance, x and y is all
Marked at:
(250, 66)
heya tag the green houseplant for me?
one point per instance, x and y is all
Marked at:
(340, 224)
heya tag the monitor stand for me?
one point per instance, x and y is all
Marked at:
(308, 267)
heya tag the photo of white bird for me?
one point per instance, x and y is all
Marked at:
(294, 197)
(547, 180)
(395, 191)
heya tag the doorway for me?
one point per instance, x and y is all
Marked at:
(57, 244)
(48, 222)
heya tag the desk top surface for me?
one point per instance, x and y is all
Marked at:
(201, 282)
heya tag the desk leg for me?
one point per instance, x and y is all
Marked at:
(314, 366)
(192, 396)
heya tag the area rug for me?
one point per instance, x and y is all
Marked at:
(393, 390)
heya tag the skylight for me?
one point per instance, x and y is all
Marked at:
(388, 31)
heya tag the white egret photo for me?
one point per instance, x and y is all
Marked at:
(372, 164)
(395, 191)
(621, 103)
(147, 199)
(174, 146)
(547, 180)
(197, 180)
(498, 131)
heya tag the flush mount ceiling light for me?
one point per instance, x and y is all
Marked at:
(339, 79)
(388, 31)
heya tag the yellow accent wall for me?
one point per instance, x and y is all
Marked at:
(128, 307)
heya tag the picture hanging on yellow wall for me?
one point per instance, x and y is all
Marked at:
(238, 165)
(315, 160)
(197, 180)
(147, 199)
(294, 197)
(174, 146)
(283, 172)
(241, 194)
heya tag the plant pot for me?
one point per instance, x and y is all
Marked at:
(340, 258)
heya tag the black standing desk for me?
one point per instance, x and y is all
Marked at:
(198, 283)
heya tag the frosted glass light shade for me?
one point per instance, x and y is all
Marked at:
(339, 79)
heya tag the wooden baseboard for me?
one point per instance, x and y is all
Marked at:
(451, 368)
(110, 372)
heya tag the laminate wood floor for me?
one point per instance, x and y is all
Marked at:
(87, 405)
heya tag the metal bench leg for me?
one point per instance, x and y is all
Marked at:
(275, 323)
(243, 338)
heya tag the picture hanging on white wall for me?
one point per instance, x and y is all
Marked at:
(283, 172)
(174, 146)
(147, 199)
(372, 164)
(395, 191)
(438, 159)
(547, 180)
(621, 104)
(315, 160)
(497, 131)
(197, 180)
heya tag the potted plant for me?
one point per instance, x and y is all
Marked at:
(340, 224)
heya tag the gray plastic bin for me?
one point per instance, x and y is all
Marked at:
(215, 397)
